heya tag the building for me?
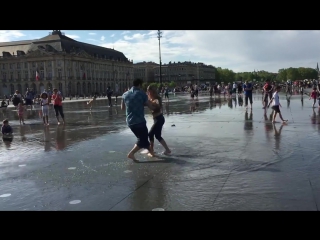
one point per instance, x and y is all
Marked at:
(145, 71)
(183, 73)
(61, 62)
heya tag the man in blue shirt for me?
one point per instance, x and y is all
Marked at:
(247, 87)
(134, 101)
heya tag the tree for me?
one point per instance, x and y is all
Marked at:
(172, 84)
(282, 75)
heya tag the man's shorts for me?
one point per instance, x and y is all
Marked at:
(29, 102)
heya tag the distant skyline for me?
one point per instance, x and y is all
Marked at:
(240, 51)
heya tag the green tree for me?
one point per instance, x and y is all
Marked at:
(282, 75)
(172, 84)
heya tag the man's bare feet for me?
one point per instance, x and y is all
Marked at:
(284, 121)
(132, 157)
(151, 155)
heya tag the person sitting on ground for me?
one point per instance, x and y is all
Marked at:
(3, 104)
(6, 129)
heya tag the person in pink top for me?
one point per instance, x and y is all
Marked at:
(21, 109)
(57, 105)
(313, 95)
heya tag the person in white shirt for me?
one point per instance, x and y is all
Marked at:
(45, 108)
(275, 100)
(234, 88)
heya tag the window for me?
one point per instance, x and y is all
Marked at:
(19, 75)
(4, 66)
(49, 63)
(26, 75)
(11, 65)
(41, 64)
(59, 63)
(59, 73)
(49, 75)
(11, 76)
(4, 76)
(69, 72)
(41, 74)
(18, 65)
(33, 64)
(26, 65)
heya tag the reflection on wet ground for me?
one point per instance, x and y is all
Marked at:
(224, 158)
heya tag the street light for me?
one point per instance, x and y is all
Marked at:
(159, 37)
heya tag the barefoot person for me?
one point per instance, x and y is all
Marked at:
(44, 102)
(134, 101)
(57, 105)
(158, 118)
(276, 105)
(91, 102)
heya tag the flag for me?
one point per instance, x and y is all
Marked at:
(37, 76)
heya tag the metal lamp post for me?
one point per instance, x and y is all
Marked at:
(159, 37)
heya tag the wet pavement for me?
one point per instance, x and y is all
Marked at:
(224, 158)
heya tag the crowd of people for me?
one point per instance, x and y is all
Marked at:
(135, 99)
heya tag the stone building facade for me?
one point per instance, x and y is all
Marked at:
(61, 62)
(145, 71)
(184, 73)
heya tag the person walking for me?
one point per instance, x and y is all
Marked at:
(247, 87)
(57, 105)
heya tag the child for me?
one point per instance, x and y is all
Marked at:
(276, 105)
(45, 108)
(313, 95)
(21, 110)
(6, 129)
(90, 103)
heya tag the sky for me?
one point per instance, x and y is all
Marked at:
(240, 51)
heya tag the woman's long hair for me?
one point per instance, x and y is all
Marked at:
(154, 94)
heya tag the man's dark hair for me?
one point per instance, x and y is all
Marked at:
(137, 82)
(5, 121)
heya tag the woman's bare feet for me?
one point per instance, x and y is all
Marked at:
(167, 152)
(284, 121)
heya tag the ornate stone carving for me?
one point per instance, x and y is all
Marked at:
(37, 53)
(84, 54)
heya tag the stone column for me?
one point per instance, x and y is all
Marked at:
(45, 70)
(53, 67)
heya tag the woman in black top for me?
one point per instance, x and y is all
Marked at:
(156, 129)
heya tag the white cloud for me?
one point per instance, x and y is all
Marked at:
(92, 33)
(125, 32)
(72, 36)
(93, 40)
(102, 38)
(10, 35)
(112, 35)
(134, 36)
(236, 50)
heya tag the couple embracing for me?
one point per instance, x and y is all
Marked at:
(134, 101)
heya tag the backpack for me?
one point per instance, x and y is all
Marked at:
(15, 100)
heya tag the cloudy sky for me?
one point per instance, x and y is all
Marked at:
(236, 50)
